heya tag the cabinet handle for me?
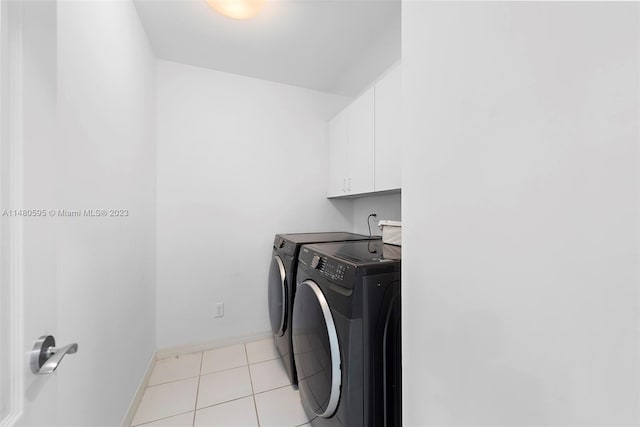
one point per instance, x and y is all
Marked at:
(349, 187)
(344, 184)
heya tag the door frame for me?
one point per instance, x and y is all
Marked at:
(12, 357)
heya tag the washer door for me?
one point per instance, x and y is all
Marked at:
(316, 350)
(277, 296)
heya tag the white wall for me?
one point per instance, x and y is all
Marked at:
(520, 210)
(239, 160)
(386, 206)
(105, 159)
(366, 66)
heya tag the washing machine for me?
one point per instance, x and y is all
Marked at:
(281, 291)
(346, 334)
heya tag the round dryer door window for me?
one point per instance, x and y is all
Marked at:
(277, 296)
(316, 350)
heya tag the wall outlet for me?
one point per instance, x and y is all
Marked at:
(219, 309)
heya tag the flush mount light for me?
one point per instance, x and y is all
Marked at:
(237, 9)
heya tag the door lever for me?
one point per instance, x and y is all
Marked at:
(45, 356)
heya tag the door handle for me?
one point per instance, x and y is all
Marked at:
(45, 356)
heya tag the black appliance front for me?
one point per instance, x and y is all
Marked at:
(346, 336)
(316, 350)
(282, 286)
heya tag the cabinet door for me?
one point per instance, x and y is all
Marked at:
(388, 133)
(360, 122)
(338, 155)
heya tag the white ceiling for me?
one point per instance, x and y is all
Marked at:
(336, 46)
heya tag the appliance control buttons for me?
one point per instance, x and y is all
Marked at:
(331, 269)
(315, 261)
(328, 267)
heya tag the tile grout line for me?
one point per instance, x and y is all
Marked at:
(159, 419)
(253, 394)
(208, 373)
(275, 388)
(173, 381)
(224, 402)
(241, 397)
(195, 405)
(241, 366)
(264, 361)
(235, 367)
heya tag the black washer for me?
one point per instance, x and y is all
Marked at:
(346, 334)
(282, 286)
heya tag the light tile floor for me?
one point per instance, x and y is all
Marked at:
(239, 385)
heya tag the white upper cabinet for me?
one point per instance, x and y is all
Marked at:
(351, 148)
(364, 144)
(360, 119)
(338, 155)
(387, 131)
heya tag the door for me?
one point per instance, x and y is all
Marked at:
(277, 296)
(81, 126)
(316, 350)
(28, 291)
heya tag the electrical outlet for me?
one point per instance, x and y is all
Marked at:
(219, 309)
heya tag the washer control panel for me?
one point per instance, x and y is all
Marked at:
(327, 267)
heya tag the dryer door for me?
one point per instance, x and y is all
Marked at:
(316, 350)
(277, 296)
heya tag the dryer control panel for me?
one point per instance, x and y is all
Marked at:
(284, 246)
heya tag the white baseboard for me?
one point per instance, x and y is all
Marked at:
(210, 345)
(137, 397)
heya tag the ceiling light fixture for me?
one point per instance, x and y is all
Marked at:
(237, 9)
